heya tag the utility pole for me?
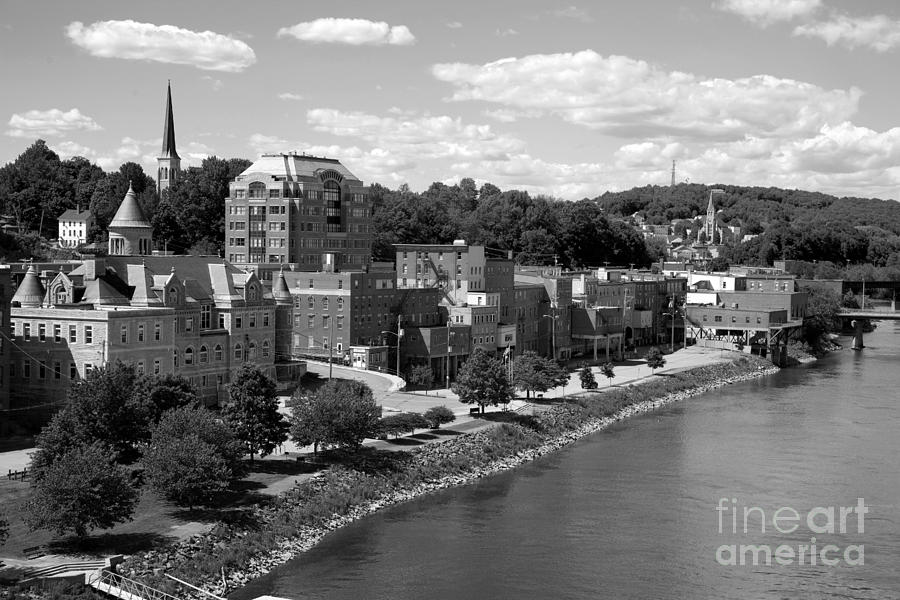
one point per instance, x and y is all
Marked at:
(399, 335)
(330, 344)
(672, 306)
(447, 373)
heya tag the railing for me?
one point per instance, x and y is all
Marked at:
(122, 587)
(16, 475)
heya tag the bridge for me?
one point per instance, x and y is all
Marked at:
(870, 313)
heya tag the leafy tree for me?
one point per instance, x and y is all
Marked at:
(822, 315)
(4, 530)
(82, 490)
(655, 359)
(421, 375)
(62, 434)
(191, 456)
(340, 413)
(532, 372)
(608, 371)
(398, 425)
(252, 411)
(482, 380)
(439, 415)
(164, 393)
(587, 378)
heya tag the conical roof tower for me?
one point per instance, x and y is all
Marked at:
(30, 293)
(129, 232)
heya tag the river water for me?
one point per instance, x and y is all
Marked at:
(631, 512)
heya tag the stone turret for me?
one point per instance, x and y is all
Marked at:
(130, 233)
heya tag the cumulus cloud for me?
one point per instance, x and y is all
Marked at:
(289, 96)
(766, 12)
(425, 136)
(625, 97)
(573, 12)
(454, 24)
(878, 32)
(49, 123)
(355, 32)
(162, 43)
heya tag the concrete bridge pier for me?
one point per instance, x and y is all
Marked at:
(857, 325)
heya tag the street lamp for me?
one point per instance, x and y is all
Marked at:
(673, 305)
(552, 332)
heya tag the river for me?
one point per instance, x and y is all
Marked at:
(631, 512)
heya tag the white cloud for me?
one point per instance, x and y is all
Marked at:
(355, 32)
(289, 96)
(53, 122)
(878, 32)
(573, 12)
(505, 32)
(68, 149)
(454, 24)
(625, 97)
(216, 84)
(423, 136)
(766, 12)
(162, 43)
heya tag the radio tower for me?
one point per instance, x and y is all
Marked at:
(673, 173)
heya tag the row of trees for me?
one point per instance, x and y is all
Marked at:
(120, 428)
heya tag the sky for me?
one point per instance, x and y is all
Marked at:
(568, 100)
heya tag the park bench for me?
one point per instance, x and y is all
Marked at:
(34, 552)
(474, 411)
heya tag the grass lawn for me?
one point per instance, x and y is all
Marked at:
(155, 520)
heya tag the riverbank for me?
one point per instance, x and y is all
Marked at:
(234, 553)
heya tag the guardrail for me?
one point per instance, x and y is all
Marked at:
(119, 586)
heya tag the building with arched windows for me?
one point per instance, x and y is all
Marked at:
(306, 211)
(194, 316)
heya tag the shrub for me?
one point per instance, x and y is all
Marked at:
(439, 415)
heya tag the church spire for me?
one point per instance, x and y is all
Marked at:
(168, 141)
(169, 163)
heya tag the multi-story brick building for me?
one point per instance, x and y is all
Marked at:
(310, 212)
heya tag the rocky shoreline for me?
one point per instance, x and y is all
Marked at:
(150, 564)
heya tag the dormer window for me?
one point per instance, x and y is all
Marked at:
(173, 295)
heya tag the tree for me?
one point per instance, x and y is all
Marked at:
(191, 456)
(340, 413)
(439, 415)
(822, 314)
(587, 378)
(397, 425)
(608, 371)
(655, 359)
(164, 393)
(482, 380)
(252, 411)
(532, 372)
(421, 375)
(4, 530)
(82, 490)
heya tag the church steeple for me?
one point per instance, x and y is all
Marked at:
(169, 162)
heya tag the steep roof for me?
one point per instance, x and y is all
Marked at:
(30, 292)
(168, 140)
(280, 289)
(130, 213)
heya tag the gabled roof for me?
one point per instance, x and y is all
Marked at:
(129, 213)
(74, 215)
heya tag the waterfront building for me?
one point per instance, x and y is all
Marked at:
(168, 163)
(306, 212)
(74, 225)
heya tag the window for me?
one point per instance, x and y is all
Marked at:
(88, 367)
(57, 370)
(189, 324)
(189, 356)
(26, 331)
(310, 284)
(325, 321)
(340, 304)
(88, 334)
(310, 321)
(140, 337)
(124, 334)
(253, 319)
(205, 316)
(204, 355)
(265, 348)
(238, 352)
(217, 353)
(156, 331)
(237, 322)
(265, 319)
(310, 302)
(73, 371)
(175, 357)
(324, 303)
(140, 367)
(156, 367)
(340, 322)
(42, 332)
(252, 350)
